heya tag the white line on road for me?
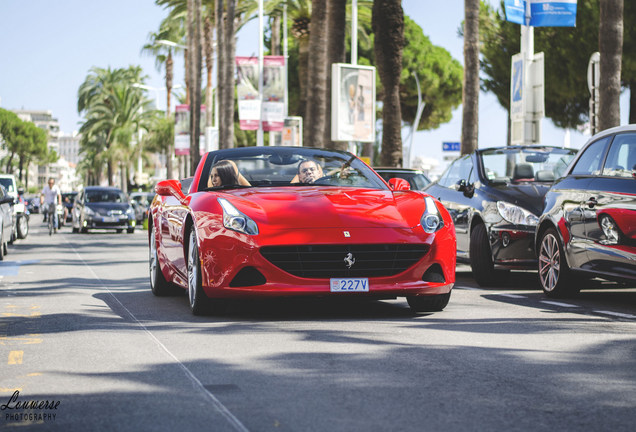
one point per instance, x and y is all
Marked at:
(215, 402)
(567, 305)
(618, 314)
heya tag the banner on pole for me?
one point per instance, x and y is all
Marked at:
(249, 104)
(182, 130)
(273, 114)
(541, 13)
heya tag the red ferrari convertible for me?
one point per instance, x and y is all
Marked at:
(297, 221)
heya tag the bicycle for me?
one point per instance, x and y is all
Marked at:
(51, 215)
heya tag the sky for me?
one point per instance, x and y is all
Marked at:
(48, 48)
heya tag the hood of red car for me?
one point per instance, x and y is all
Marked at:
(329, 207)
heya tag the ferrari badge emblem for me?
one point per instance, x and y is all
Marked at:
(349, 260)
(347, 234)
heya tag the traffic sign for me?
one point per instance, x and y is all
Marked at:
(451, 146)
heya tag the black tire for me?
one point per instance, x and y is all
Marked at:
(555, 276)
(2, 248)
(5, 248)
(481, 259)
(119, 231)
(23, 227)
(200, 303)
(425, 303)
(75, 230)
(130, 230)
(158, 284)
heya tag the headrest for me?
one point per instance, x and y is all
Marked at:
(544, 176)
(523, 171)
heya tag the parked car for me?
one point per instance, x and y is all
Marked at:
(416, 178)
(68, 199)
(98, 207)
(33, 205)
(588, 226)
(21, 227)
(346, 233)
(495, 197)
(7, 221)
(141, 203)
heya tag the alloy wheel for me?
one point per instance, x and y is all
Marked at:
(193, 268)
(549, 262)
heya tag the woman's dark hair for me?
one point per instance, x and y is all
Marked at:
(227, 172)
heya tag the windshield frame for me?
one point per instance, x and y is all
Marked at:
(283, 163)
(516, 150)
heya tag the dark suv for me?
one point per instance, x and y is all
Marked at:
(495, 197)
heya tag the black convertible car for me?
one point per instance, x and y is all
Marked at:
(588, 227)
(495, 197)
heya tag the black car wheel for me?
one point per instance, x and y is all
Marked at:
(23, 227)
(481, 258)
(2, 243)
(158, 283)
(200, 303)
(554, 273)
(434, 303)
(130, 230)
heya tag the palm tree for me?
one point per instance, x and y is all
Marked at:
(114, 111)
(388, 27)
(470, 118)
(610, 41)
(336, 53)
(314, 122)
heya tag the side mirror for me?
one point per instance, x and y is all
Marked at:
(399, 184)
(170, 188)
(464, 186)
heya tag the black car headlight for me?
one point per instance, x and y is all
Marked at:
(516, 215)
(236, 220)
(431, 219)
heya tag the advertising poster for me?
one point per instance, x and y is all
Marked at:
(273, 93)
(249, 105)
(353, 103)
(182, 130)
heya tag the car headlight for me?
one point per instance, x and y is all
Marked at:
(515, 214)
(235, 220)
(431, 219)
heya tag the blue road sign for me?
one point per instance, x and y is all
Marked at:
(450, 146)
(543, 13)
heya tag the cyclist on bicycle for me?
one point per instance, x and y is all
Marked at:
(51, 196)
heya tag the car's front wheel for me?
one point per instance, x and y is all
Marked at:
(481, 261)
(199, 301)
(432, 303)
(23, 227)
(554, 273)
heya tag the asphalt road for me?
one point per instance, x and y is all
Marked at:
(80, 329)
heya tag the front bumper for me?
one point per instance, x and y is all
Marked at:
(99, 222)
(233, 268)
(513, 246)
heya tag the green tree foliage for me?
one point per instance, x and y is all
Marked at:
(24, 142)
(114, 110)
(440, 78)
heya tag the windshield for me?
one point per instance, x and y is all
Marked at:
(7, 183)
(525, 164)
(100, 196)
(286, 166)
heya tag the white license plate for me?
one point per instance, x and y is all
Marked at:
(110, 219)
(349, 285)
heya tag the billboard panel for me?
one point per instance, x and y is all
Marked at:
(182, 130)
(352, 103)
(273, 93)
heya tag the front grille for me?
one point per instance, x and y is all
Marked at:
(328, 261)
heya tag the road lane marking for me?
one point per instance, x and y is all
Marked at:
(617, 314)
(6, 340)
(514, 296)
(567, 305)
(221, 409)
(15, 357)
